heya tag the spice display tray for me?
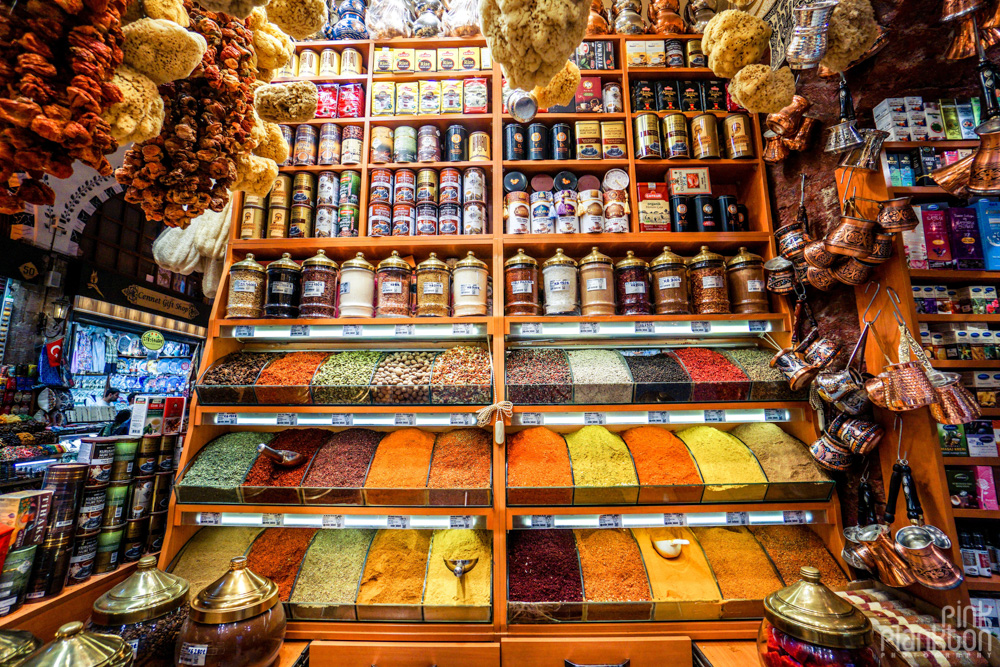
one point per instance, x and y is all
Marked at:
(207, 495)
(315, 611)
(271, 495)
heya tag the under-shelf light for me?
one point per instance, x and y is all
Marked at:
(659, 520)
(375, 521)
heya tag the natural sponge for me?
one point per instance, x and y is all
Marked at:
(760, 90)
(561, 89)
(298, 18)
(273, 47)
(852, 30)
(238, 8)
(293, 102)
(533, 39)
(139, 116)
(254, 175)
(734, 39)
(274, 147)
(171, 10)
(162, 50)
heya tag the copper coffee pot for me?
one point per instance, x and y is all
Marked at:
(892, 570)
(955, 177)
(785, 123)
(844, 136)
(775, 149)
(984, 175)
(952, 10)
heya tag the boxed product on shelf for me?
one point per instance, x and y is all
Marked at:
(26, 512)
(654, 207)
(981, 438)
(986, 489)
(988, 218)
(594, 54)
(936, 236)
(966, 245)
(952, 440)
(962, 486)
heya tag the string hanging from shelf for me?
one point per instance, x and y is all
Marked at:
(501, 410)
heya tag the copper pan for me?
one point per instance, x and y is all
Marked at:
(954, 178)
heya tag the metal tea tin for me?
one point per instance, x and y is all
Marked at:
(562, 141)
(429, 144)
(612, 98)
(675, 136)
(705, 217)
(381, 140)
(704, 136)
(379, 219)
(479, 146)
(380, 186)
(328, 189)
(474, 185)
(325, 222)
(404, 219)
(695, 56)
(427, 219)
(350, 188)
(646, 128)
(329, 144)
(348, 217)
(675, 53)
(404, 144)
(450, 187)
(736, 137)
(329, 63)
(404, 187)
(456, 140)
(300, 222)
(427, 186)
(306, 144)
(450, 218)
(351, 144)
(538, 141)
(518, 213)
(513, 142)
(350, 61)
(474, 218)
(308, 63)
(281, 192)
(681, 219)
(303, 189)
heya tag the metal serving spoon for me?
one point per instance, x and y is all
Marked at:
(282, 457)
(459, 567)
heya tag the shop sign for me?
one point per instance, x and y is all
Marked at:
(152, 341)
(121, 290)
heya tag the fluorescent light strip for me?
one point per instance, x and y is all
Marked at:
(350, 419)
(421, 521)
(369, 331)
(661, 417)
(696, 519)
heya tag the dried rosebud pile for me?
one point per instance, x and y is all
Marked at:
(56, 62)
(190, 166)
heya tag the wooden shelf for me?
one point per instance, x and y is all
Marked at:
(655, 407)
(953, 276)
(417, 166)
(339, 78)
(642, 243)
(318, 168)
(553, 166)
(555, 117)
(991, 584)
(335, 121)
(374, 247)
(962, 317)
(431, 76)
(971, 460)
(976, 514)
(290, 652)
(897, 145)
(689, 114)
(919, 190)
(333, 321)
(945, 364)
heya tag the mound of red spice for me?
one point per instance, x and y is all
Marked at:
(277, 554)
(306, 441)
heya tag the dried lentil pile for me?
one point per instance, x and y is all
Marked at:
(342, 462)
(686, 577)
(726, 464)
(659, 378)
(538, 376)
(600, 458)
(474, 587)
(461, 460)
(462, 376)
(741, 567)
(715, 377)
(231, 380)
(768, 383)
(599, 377)
(223, 463)
(332, 567)
(403, 377)
(305, 441)
(660, 457)
(543, 566)
(791, 547)
(537, 457)
(286, 380)
(344, 377)
(277, 555)
(394, 572)
(402, 460)
(206, 555)
(783, 458)
(612, 566)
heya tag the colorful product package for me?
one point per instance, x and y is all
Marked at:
(451, 96)
(981, 438)
(468, 58)
(447, 59)
(962, 487)
(986, 489)
(689, 181)
(383, 59)
(27, 513)
(476, 95)
(654, 207)
(407, 95)
(966, 246)
(329, 100)
(402, 60)
(426, 60)
(915, 245)
(352, 101)
(988, 218)
(383, 98)
(588, 95)
(430, 98)
(936, 236)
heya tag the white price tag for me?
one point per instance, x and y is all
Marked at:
(794, 516)
(405, 419)
(594, 418)
(286, 419)
(333, 520)
(226, 419)
(353, 330)
(737, 518)
(462, 329)
(210, 519)
(531, 328)
(462, 419)
(341, 420)
(531, 419)
(645, 327)
(715, 416)
(658, 417)
(193, 654)
(701, 327)
(543, 521)
(272, 519)
(404, 329)
(590, 328)
(398, 521)
(757, 325)
(674, 519)
(773, 415)
(299, 331)
(460, 522)
(244, 331)
(609, 521)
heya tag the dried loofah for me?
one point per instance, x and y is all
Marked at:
(298, 18)
(258, 132)
(734, 39)
(760, 90)
(171, 10)
(211, 278)
(254, 175)
(561, 89)
(266, 75)
(139, 116)
(533, 39)
(162, 50)
(213, 232)
(174, 249)
(852, 30)
(273, 47)
(293, 102)
(274, 147)
(238, 8)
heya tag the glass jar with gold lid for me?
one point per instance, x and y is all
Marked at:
(808, 624)
(320, 283)
(16, 645)
(559, 285)
(745, 275)
(632, 285)
(246, 289)
(668, 275)
(146, 610)
(470, 280)
(73, 646)
(392, 287)
(597, 284)
(433, 287)
(357, 287)
(520, 274)
(707, 273)
(236, 621)
(284, 287)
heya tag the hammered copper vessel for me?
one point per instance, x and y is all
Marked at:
(963, 45)
(830, 454)
(786, 122)
(882, 252)
(897, 215)
(956, 9)
(953, 403)
(775, 150)
(792, 239)
(859, 435)
(984, 175)
(817, 256)
(854, 237)
(803, 137)
(853, 272)
(796, 370)
(821, 279)
(823, 351)
(907, 387)
(780, 275)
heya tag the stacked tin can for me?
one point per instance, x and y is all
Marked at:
(328, 144)
(566, 204)
(407, 144)
(427, 202)
(140, 499)
(162, 484)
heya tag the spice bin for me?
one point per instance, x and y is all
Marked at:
(246, 289)
(433, 287)
(320, 286)
(74, 646)
(215, 475)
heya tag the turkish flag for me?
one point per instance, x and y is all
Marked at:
(53, 351)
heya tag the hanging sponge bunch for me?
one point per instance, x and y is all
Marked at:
(200, 247)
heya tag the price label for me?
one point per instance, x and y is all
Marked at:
(460, 522)
(210, 518)
(341, 420)
(658, 417)
(609, 521)
(757, 325)
(674, 519)
(226, 419)
(243, 331)
(701, 327)
(594, 418)
(272, 519)
(462, 419)
(353, 330)
(773, 415)
(531, 328)
(398, 521)
(404, 329)
(299, 331)
(715, 415)
(645, 327)
(590, 328)
(794, 516)
(543, 521)
(333, 520)
(193, 654)
(286, 419)
(737, 518)
(405, 419)
(462, 329)
(531, 419)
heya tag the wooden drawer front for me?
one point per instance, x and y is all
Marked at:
(639, 651)
(404, 654)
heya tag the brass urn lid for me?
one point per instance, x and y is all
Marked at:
(596, 257)
(248, 264)
(286, 262)
(811, 612)
(148, 593)
(393, 261)
(238, 594)
(359, 262)
(667, 258)
(319, 259)
(73, 646)
(559, 259)
(16, 645)
(706, 255)
(520, 258)
(744, 256)
(470, 262)
(631, 260)
(432, 263)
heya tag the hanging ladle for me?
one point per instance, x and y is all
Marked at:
(460, 566)
(668, 548)
(282, 457)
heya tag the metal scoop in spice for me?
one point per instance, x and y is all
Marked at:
(668, 548)
(460, 566)
(282, 457)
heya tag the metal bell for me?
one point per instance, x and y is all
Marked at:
(866, 155)
(809, 35)
(843, 136)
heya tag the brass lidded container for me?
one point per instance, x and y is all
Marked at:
(147, 594)
(597, 284)
(707, 274)
(469, 283)
(320, 286)
(745, 275)
(433, 287)
(239, 594)
(73, 646)
(668, 275)
(520, 274)
(809, 613)
(16, 646)
(247, 279)
(560, 279)
(632, 285)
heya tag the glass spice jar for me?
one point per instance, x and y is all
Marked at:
(668, 275)
(470, 278)
(745, 274)
(559, 284)
(320, 280)
(433, 287)
(246, 289)
(521, 285)
(597, 284)
(632, 285)
(284, 286)
(357, 287)
(392, 287)
(707, 274)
